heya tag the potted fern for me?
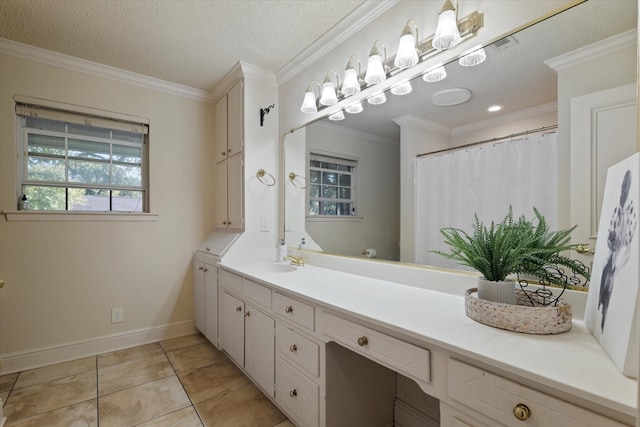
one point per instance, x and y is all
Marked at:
(509, 247)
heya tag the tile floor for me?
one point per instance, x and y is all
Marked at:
(181, 382)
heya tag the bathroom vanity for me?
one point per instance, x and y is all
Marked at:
(328, 347)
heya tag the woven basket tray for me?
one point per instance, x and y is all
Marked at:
(521, 317)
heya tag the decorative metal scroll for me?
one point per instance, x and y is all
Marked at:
(557, 278)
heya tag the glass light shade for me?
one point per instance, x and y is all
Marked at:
(407, 55)
(473, 57)
(355, 108)
(351, 85)
(435, 74)
(337, 116)
(402, 89)
(377, 99)
(375, 70)
(447, 34)
(329, 96)
(309, 103)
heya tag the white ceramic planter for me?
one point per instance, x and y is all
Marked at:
(502, 292)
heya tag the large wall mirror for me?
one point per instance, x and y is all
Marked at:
(367, 162)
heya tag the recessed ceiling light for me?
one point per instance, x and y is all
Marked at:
(494, 108)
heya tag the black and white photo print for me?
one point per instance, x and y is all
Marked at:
(612, 301)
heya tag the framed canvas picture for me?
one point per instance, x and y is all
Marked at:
(612, 303)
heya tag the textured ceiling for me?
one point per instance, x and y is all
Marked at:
(189, 42)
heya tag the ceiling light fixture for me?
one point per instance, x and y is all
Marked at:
(447, 33)
(351, 82)
(354, 108)
(337, 116)
(309, 105)
(403, 88)
(494, 108)
(377, 99)
(329, 96)
(407, 55)
(376, 68)
(472, 57)
(435, 74)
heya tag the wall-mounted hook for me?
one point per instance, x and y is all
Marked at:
(264, 112)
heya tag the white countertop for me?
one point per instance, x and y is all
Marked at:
(572, 362)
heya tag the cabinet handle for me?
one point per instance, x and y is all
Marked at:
(224, 222)
(288, 309)
(205, 269)
(229, 150)
(201, 268)
(362, 341)
(223, 153)
(293, 393)
(247, 314)
(521, 411)
(228, 222)
(293, 348)
(238, 308)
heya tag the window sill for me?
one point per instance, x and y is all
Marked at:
(345, 218)
(80, 216)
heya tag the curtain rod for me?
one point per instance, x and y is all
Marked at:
(486, 141)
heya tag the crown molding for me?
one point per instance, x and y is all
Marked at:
(421, 122)
(507, 118)
(344, 29)
(602, 47)
(32, 53)
(237, 72)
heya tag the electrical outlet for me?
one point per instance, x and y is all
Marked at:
(117, 314)
(264, 225)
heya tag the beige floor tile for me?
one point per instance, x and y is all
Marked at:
(50, 395)
(286, 424)
(186, 417)
(194, 357)
(182, 342)
(132, 373)
(53, 372)
(7, 381)
(83, 414)
(128, 354)
(240, 408)
(211, 380)
(142, 403)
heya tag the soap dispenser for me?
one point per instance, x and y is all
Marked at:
(281, 251)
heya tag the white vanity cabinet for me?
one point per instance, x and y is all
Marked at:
(229, 159)
(205, 295)
(247, 332)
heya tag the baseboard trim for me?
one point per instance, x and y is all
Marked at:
(43, 356)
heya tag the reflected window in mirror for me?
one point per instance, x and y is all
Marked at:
(331, 185)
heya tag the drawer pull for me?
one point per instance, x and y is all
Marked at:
(362, 341)
(247, 314)
(293, 393)
(201, 268)
(293, 348)
(521, 411)
(288, 309)
(238, 308)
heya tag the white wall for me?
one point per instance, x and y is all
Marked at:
(63, 278)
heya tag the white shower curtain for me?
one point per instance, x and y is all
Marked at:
(483, 180)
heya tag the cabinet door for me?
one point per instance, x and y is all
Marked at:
(198, 296)
(211, 303)
(221, 195)
(232, 328)
(235, 217)
(221, 129)
(234, 120)
(259, 349)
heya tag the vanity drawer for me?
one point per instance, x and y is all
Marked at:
(230, 281)
(389, 351)
(257, 292)
(298, 312)
(497, 398)
(298, 349)
(298, 395)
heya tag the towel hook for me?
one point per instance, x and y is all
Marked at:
(293, 176)
(261, 174)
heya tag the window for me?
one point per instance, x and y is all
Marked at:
(331, 186)
(76, 162)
